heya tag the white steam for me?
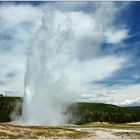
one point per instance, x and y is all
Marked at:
(16, 113)
(45, 89)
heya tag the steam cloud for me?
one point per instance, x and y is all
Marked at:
(62, 60)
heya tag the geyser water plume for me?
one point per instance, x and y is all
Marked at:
(46, 95)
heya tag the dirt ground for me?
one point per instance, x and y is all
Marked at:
(89, 131)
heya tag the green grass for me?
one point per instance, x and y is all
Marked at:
(109, 126)
(4, 135)
(37, 132)
(78, 135)
(132, 135)
(60, 132)
(67, 132)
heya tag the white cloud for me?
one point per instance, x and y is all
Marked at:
(88, 31)
(20, 23)
(92, 70)
(116, 36)
(13, 15)
(131, 102)
(111, 92)
(125, 94)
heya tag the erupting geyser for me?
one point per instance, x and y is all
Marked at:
(46, 94)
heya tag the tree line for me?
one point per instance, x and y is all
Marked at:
(7, 106)
(79, 113)
(82, 113)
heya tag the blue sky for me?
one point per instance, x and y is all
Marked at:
(112, 47)
(130, 47)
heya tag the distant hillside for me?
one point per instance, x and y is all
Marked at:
(79, 113)
(82, 113)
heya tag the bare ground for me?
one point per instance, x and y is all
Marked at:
(89, 131)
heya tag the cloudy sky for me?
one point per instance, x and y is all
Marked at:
(108, 54)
